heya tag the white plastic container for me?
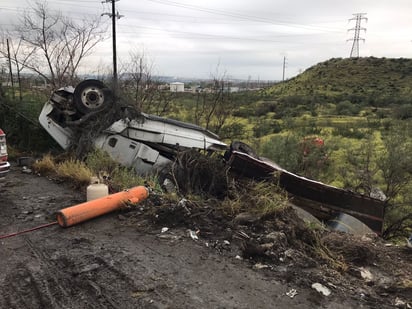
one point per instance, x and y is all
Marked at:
(97, 190)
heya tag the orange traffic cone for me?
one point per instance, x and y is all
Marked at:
(94, 208)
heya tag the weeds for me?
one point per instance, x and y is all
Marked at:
(72, 170)
(46, 165)
(99, 161)
(261, 198)
(75, 171)
(97, 164)
(334, 260)
(118, 177)
(123, 178)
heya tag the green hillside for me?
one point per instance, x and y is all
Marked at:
(374, 81)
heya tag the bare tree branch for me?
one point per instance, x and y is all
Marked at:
(56, 45)
(139, 86)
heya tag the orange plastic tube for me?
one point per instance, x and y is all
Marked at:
(78, 213)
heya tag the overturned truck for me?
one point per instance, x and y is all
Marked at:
(143, 142)
(147, 143)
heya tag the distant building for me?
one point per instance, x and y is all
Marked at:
(177, 87)
(196, 89)
(231, 89)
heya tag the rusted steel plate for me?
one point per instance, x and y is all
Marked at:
(321, 199)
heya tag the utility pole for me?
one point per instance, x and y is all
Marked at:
(358, 17)
(113, 15)
(10, 70)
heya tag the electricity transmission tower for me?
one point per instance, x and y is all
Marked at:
(358, 17)
(284, 68)
(113, 15)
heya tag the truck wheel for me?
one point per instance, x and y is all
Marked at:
(91, 96)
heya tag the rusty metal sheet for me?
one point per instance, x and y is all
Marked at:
(320, 199)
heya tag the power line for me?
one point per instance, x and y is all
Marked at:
(358, 17)
(242, 16)
(207, 36)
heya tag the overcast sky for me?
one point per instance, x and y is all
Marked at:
(240, 38)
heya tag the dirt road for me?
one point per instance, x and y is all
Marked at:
(123, 261)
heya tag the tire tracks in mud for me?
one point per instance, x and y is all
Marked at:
(50, 282)
(34, 283)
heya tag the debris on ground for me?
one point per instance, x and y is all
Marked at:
(273, 249)
(321, 289)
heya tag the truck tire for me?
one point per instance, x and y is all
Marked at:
(91, 95)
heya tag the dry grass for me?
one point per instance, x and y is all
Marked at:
(261, 198)
(46, 165)
(334, 259)
(406, 284)
(75, 171)
(71, 170)
(79, 173)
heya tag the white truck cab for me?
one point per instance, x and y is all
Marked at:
(145, 142)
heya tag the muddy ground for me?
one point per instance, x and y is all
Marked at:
(124, 260)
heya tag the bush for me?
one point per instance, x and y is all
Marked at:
(232, 131)
(297, 154)
(403, 112)
(266, 127)
(264, 108)
(347, 108)
(100, 161)
(123, 178)
(284, 151)
(118, 177)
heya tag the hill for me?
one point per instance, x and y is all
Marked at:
(374, 81)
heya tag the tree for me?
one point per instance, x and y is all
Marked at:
(388, 170)
(361, 173)
(213, 109)
(397, 174)
(139, 87)
(17, 53)
(54, 45)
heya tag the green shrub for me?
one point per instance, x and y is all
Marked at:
(403, 112)
(347, 108)
(266, 127)
(232, 131)
(283, 150)
(123, 178)
(100, 161)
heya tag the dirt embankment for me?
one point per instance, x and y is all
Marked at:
(124, 260)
